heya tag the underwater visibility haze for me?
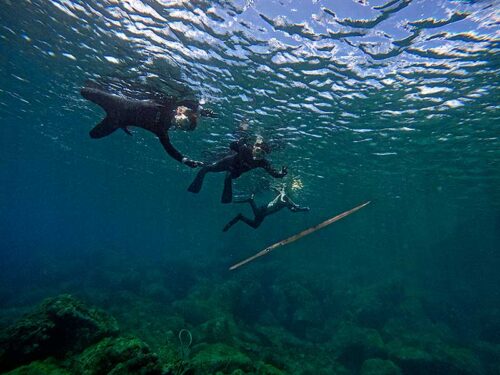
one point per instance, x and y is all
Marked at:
(108, 265)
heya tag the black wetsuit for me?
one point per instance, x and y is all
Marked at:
(234, 166)
(277, 204)
(122, 112)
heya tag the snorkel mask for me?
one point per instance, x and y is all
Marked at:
(258, 151)
(184, 118)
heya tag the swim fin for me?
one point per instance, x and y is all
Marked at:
(104, 128)
(197, 183)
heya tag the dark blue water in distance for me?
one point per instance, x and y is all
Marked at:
(396, 102)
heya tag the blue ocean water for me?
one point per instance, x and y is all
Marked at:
(394, 102)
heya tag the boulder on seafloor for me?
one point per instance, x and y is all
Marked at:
(117, 356)
(437, 359)
(58, 327)
(222, 329)
(354, 345)
(373, 306)
(195, 311)
(297, 309)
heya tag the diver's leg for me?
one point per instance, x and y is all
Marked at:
(298, 209)
(111, 104)
(247, 200)
(255, 223)
(197, 183)
(223, 164)
(104, 128)
(227, 193)
(251, 202)
(232, 222)
(220, 166)
(255, 209)
(107, 101)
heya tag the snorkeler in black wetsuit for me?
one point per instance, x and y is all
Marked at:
(245, 159)
(281, 201)
(154, 116)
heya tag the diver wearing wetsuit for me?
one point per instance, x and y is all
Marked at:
(281, 201)
(154, 116)
(245, 159)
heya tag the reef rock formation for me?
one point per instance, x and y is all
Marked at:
(59, 327)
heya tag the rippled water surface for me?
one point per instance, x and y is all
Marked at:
(391, 81)
(391, 101)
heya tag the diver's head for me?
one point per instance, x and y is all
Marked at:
(259, 149)
(185, 118)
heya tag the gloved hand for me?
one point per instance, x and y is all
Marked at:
(208, 113)
(284, 171)
(192, 163)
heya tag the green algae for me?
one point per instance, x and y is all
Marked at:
(376, 366)
(225, 344)
(117, 356)
(210, 359)
(58, 327)
(47, 367)
(353, 345)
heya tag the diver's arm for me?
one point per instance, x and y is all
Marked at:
(208, 113)
(296, 208)
(273, 172)
(196, 107)
(292, 206)
(172, 151)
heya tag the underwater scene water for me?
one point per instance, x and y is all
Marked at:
(110, 266)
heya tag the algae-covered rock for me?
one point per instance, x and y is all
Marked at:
(430, 349)
(47, 367)
(267, 369)
(355, 344)
(372, 307)
(377, 366)
(222, 358)
(117, 356)
(297, 308)
(205, 302)
(440, 359)
(414, 360)
(60, 326)
(222, 329)
(195, 311)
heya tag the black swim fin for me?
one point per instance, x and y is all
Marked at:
(104, 128)
(197, 183)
